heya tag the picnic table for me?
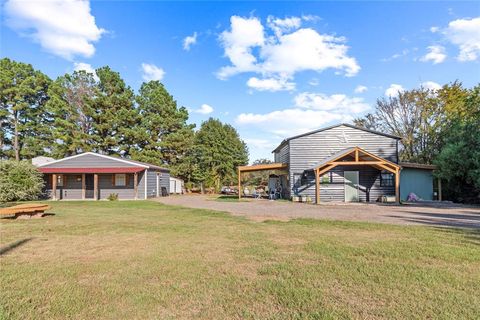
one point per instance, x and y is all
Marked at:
(26, 210)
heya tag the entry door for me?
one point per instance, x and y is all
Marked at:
(89, 186)
(351, 186)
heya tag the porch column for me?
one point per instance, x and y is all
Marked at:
(439, 189)
(83, 186)
(240, 185)
(54, 186)
(95, 186)
(317, 186)
(397, 185)
(135, 185)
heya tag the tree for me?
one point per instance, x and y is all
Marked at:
(23, 94)
(459, 160)
(71, 112)
(163, 135)
(19, 181)
(114, 115)
(259, 177)
(217, 152)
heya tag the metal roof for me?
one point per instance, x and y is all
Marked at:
(334, 126)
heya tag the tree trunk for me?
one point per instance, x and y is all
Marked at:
(15, 143)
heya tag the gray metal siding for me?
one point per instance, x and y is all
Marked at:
(369, 185)
(283, 155)
(151, 184)
(89, 161)
(165, 181)
(306, 151)
(141, 185)
(106, 187)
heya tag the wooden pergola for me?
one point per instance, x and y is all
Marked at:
(259, 167)
(357, 157)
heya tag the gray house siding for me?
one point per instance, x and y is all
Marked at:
(283, 155)
(106, 187)
(89, 161)
(151, 184)
(304, 152)
(165, 182)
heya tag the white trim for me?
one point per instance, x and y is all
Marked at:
(94, 154)
(146, 185)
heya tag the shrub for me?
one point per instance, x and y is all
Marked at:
(19, 180)
(113, 197)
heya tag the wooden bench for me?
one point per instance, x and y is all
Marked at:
(25, 210)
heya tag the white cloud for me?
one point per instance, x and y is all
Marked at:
(282, 52)
(280, 26)
(397, 55)
(431, 85)
(64, 28)
(338, 103)
(310, 111)
(152, 72)
(436, 54)
(204, 109)
(189, 41)
(77, 66)
(360, 89)
(270, 84)
(434, 29)
(394, 90)
(465, 33)
(258, 143)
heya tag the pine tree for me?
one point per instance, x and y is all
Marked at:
(23, 94)
(71, 113)
(163, 135)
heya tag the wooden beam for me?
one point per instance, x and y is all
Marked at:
(326, 169)
(317, 186)
(387, 168)
(95, 186)
(397, 186)
(84, 186)
(379, 158)
(135, 185)
(239, 185)
(54, 186)
(260, 167)
(356, 155)
(355, 163)
(439, 189)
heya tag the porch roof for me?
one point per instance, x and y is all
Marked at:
(92, 170)
(263, 167)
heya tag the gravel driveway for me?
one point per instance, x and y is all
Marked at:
(439, 214)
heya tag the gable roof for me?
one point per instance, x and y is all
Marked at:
(133, 163)
(335, 126)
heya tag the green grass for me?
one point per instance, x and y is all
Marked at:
(145, 260)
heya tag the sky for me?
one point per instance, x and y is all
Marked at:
(270, 69)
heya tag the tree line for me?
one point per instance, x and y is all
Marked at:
(80, 112)
(440, 127)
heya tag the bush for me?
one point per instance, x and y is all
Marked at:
(19, 180)
(113, 197)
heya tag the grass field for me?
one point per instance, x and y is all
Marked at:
(145, 260)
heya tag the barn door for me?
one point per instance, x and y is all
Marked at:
(351, 186)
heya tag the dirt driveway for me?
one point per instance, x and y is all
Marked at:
(425, 214)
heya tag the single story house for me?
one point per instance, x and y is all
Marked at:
(96, 176)
(341, 163)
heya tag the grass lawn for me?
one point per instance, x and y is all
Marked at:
(145, 260)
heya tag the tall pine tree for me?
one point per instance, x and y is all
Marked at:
(163, 135)
(23, 94)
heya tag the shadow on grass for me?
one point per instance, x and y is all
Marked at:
(14, 245)
(456, 220)
(471, 236)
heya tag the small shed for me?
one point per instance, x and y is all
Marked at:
(176, 185)
(418, 179)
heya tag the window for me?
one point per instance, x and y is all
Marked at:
(60, 180)
(120, 180)
(386, 179)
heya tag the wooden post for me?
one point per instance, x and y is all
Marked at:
(135, 185)
(317, 184)
(54, 186)
(439, 189)
(397, 185)
(356, 155)
(84, 186)
(95, 186)
(240, 185)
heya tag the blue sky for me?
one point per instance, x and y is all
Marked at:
(271, 69)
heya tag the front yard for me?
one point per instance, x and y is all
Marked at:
(125, 260)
